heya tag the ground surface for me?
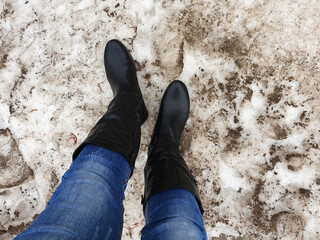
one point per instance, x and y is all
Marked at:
(252, 70)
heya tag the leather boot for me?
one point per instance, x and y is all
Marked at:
(165, 168)
(119, 129)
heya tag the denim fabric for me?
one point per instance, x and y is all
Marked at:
(173, 215)
(88, 202)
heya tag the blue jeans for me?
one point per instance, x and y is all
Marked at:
(88, 204)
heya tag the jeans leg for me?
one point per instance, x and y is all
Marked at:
(173, 214)
(88, 204)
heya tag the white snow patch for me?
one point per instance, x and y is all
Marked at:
(230, 178)
(224, 229)
(83, 5)
(299, 179)
(4, 116)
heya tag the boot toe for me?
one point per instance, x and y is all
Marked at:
(176, 100)
(115, 52)
(120, 68)
(174, 111)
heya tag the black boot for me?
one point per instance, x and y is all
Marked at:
(119, 129)
(165, 168)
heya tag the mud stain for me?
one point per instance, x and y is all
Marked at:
(14, 171)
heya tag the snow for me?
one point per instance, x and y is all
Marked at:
(252, 69)
(231, 178)
(83, 5)
(222, 228)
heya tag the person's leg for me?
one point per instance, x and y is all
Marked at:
(173, 214)
(171, 199)
(88, 202)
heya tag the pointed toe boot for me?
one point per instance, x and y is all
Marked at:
(119, 129)
(165, 168)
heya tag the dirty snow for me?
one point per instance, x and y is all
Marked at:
(252, 69)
